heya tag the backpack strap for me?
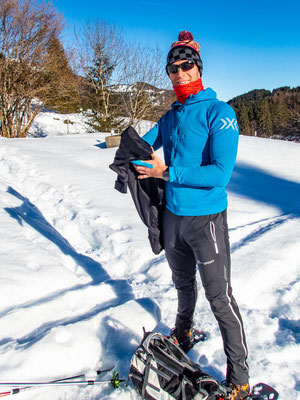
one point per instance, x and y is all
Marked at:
(146, 374)
(180, 359)
(183, 385)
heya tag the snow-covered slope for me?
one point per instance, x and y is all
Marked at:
(51, 123)
(78, 280)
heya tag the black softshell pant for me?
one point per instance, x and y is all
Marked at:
(203, 241)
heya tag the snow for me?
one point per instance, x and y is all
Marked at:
(51, 123)
(78, 280)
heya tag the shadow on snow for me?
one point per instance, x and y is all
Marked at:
(257, 184)
(31, 215)
(260, 186)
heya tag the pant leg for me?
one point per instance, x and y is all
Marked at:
(208, 237)
(183, 266)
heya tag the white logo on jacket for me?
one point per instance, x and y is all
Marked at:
(227, 123)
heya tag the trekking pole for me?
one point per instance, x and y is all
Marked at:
(21, 386)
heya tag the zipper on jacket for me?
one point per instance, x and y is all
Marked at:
(179, 122)
(213, 235)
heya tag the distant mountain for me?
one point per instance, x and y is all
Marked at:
(161, 98)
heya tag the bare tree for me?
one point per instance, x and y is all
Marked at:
(142, 74)
(100, 48)
(26, 27)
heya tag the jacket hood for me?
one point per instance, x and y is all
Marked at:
(203, 95)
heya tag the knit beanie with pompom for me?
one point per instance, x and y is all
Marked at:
(185, 49)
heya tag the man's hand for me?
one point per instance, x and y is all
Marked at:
(156, 172)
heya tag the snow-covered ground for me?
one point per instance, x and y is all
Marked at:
(51, 123)
(78, 280)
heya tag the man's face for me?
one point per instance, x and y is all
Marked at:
(184, 77)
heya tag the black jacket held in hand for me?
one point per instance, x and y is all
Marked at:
(147, 194)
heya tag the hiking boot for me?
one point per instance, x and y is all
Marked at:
(237, 392)
(184, 338)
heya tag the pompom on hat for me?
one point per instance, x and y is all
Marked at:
(185, 49)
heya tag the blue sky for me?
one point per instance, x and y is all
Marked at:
(245, 45)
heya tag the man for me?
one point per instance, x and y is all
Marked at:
(199, 136)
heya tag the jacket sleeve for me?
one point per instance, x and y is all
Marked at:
(153, 137)
(223, 136)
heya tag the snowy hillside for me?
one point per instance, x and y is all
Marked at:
(51, 123)
(78, 280)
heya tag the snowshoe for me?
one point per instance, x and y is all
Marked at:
(261, 391)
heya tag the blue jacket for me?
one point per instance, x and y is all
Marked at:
(200, 140)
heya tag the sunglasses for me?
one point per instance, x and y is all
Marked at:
(185, 66)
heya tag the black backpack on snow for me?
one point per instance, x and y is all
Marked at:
(159, 369)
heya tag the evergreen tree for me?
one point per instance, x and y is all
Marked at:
(244, 122)
(61, 92)
(264, 119)
(102, 101)
(100, 46)
(280, 113)
(283, 107)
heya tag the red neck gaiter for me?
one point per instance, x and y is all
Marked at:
(183, 91)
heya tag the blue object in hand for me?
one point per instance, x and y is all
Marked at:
(142, 163)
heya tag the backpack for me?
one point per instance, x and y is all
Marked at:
(159, 369)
